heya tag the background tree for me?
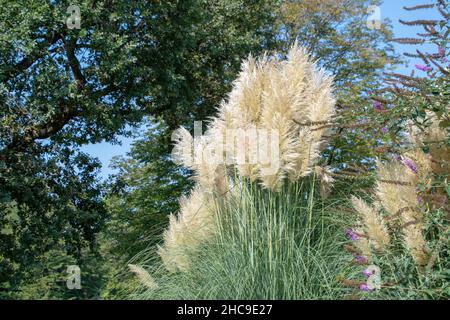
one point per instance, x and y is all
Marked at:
(61, 88)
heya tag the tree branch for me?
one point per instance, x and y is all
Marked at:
(28, 61)
(68, 109)
(45, 130)
(74, 63)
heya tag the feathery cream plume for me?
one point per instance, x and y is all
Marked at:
(244, 100)
(210, 170)
(364, 246)
(326, 180)
(373, 223)
(203, 157)
(435, 138)
(437, 141)
(395, 187)
(194, 224)
(401, 200)
(414, 239)
(422, 165)
(183, 152)
(144, 277)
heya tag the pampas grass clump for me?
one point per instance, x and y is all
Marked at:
(284, 245)
(275, 111)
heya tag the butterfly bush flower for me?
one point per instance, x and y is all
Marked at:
(423, 68)
(364, 287)
(384, 130)
(441, 53)
(367, 273)
(361, 259)
(352, 234)
(410, 164)
(377, 105)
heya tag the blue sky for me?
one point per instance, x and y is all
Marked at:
(392, 9)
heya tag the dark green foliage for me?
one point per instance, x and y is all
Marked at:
(46, 203)
(144, 192)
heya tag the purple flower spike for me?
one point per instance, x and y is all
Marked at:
(367, 273)
(440, 55)
(364, 287)
(385, 130)
(377, 105)
(410, 164)
(361, 259)
(352, 234)
(423, 68)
